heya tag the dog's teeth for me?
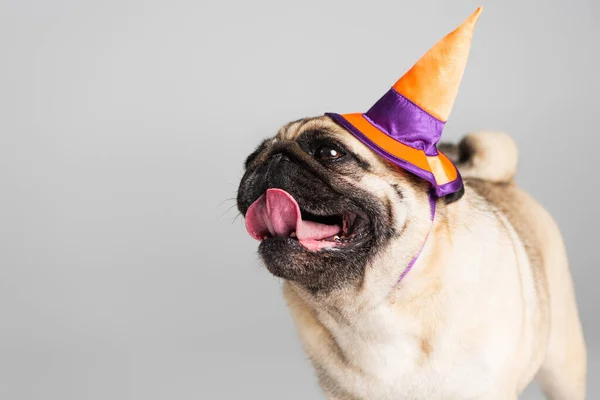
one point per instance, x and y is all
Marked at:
(293, 234)
(337, 238)
(265, 238)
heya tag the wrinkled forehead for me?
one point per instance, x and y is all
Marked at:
(308, 126)
(294, 129)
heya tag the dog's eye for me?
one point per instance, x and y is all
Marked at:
(328, 153)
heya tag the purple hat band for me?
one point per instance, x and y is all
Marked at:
(406, 122)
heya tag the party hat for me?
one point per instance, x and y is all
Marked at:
(405, 125)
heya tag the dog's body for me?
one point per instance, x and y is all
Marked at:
(488, 305)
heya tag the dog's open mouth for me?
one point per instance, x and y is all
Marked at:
(276, 214)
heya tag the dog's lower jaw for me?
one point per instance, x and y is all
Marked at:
(382, 282)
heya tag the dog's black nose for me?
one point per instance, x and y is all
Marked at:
(275, 158)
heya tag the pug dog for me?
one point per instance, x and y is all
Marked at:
(393, 302)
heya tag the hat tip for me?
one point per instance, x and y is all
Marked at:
(475, 15)
(470, 22)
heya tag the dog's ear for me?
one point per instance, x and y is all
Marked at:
(451, 150)
(455, 153)
(452, 197)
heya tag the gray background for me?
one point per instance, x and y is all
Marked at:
(123, 128)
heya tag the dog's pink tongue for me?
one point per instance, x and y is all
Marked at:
(276, 213)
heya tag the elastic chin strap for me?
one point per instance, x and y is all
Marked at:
(432, 205)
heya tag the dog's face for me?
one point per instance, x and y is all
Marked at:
(325, 207)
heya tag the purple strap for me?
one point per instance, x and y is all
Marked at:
(432, 206)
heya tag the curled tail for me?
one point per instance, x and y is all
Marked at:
(490, 156)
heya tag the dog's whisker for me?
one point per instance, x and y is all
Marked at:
(236, 217)
(227, 199)
(226, 211)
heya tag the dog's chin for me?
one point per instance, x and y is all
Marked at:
(323, 264)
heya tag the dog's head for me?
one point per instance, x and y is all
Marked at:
(329, 211)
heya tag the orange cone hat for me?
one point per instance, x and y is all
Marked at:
(405, 125)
